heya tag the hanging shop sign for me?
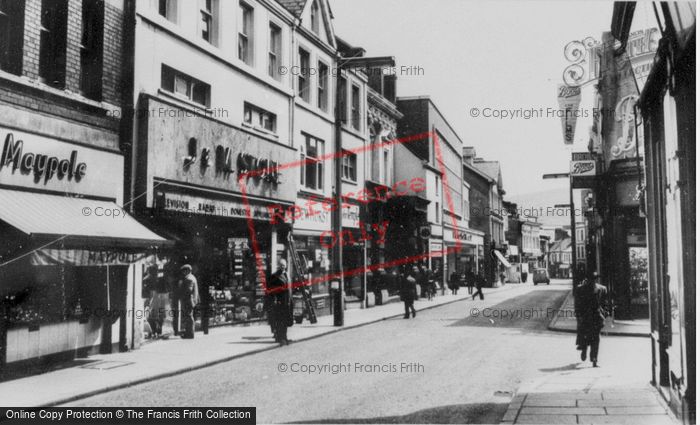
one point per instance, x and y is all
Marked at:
(583, 170)
(569, 100)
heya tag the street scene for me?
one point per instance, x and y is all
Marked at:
(334, 211)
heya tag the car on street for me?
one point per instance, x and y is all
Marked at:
(540, 276)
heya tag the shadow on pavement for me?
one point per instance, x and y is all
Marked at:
(474, 413)
(570, 366)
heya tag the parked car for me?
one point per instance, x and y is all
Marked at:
(540, 276)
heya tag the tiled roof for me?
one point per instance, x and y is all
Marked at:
(490, 168)
(295, 7)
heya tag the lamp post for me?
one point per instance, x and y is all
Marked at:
(337, 215)
(572, 212)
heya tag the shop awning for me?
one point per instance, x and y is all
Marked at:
(501, 258)
(74, 222)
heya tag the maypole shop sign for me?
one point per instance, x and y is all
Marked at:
(569, 100)
(44, 167)
(583, 170)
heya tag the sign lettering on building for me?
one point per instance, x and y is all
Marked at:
(44, 167)
(569, 100)
(583, 169)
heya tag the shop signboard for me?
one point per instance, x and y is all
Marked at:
(197, 150)
(38, 162)
(569, 100)
(583, 170)
(351, 216)
(185, 204)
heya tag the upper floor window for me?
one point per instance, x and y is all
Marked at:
(312, 163)
(387, 169)
(342, 100)
(304, 83)
(206, 20)
(349, 166)
(91, 49)
(355, 107)
(322, 86)
(168, 9)
(245, 34)
(184, 86)
(437, 212)
(11, 35)
(52, 45)
(259, 118)
(314, 18)
(275, 53)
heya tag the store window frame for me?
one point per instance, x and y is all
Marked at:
(195, 91)
(11, 35)
(312, 165)
(246, 33)
(52, 44)
(274, 55)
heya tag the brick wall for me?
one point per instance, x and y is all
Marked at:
(34, 96)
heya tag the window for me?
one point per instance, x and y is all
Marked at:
(349, 166)
(303, 81)
(91, 49)
(184, 86)
(206, 22)
(275, 53)
(322, 86)
(11, 35)
(437, 186)
(259, 118)
(52, 45)
(245, 34)
(342, 100)
(437, 212)
(355, 107)
(168, 9)
(314, 18)
(312, 165)
(387, 169)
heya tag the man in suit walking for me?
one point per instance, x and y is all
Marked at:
(479, 283)
(589, 317)
(280, 310)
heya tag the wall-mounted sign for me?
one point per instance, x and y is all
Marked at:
(583, 169)
(34, 161)
(463, 235)
(198, 205)
(316, 218)
(351, 216)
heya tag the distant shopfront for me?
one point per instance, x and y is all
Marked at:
(464, 250)
(214, 189)
(70, 255)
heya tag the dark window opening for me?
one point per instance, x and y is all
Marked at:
(11, 35)
(52, 54)
(91, 49)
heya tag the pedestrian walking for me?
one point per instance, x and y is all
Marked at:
(408, 292)
(279, 302)
(590, 319)
(454, 283)
(471, 277)
(189, 298)
(424, 280)
(479, 282)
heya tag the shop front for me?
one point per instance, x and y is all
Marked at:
(219, 192)
(462, 255)
(70, 256)
(314, 242)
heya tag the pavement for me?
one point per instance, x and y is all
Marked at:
(565, 321)
(101, 373)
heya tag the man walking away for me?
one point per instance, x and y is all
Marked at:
(408, 292)
(590, 318)
(189, 298)
(280, 310)
(479, 282)
(471, 277)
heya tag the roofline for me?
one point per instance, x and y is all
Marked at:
(429, 99)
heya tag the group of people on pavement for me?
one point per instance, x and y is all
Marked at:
(471, 279)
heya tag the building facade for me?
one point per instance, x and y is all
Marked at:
(69, 272)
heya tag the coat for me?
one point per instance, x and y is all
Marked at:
(590, 317)
(407, 291)
(279, 300)
(188, 291)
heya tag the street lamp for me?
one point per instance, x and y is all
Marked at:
(572, 213)
(337, 215)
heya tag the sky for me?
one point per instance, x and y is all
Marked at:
(490, 55)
